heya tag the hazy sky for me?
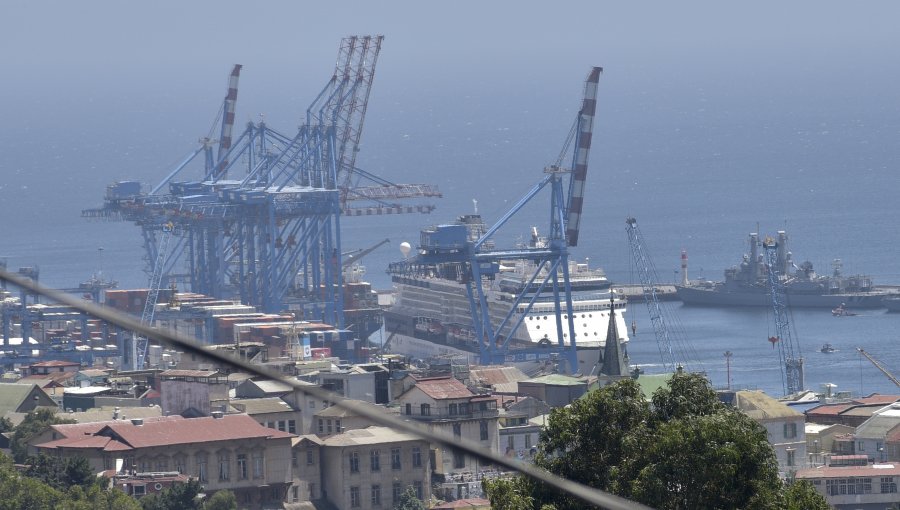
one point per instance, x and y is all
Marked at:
(692, 92)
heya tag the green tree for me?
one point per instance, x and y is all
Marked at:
(509, 494)
(5, 425)
(95, 497)
(801, 495)
(34, 423)
(683, 449)
(178, 497)
(19, 492)
(61, 473)
(221, 500)
(409, 501)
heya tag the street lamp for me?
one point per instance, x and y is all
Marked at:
(728, 356)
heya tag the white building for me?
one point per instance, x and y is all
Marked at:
(450, 408)
(785, 427)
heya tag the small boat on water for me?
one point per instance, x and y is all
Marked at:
(827, 349)
(841, 311)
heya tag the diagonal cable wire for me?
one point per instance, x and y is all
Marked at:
(587, 494)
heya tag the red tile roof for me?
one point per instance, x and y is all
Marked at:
(165, 430)
(195, 430)
(444, 388)
(56, 363)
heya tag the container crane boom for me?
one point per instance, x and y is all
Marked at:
(584, 133)
(352, 259)
(788, 350)
(141, 344)
(879, 366)
(648, 283)
(228, 120)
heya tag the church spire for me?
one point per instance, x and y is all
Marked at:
(614, 353)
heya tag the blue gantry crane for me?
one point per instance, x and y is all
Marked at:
(451, 252)
(263, 221)
(789, 354)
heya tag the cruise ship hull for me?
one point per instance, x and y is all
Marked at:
(716, 297)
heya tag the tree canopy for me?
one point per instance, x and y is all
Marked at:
(33, 424)
(683, 449)
(409, 501)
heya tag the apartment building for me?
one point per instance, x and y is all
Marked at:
(231, 452)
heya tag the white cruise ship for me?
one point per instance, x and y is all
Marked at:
(431, 314)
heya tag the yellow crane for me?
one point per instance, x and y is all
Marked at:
(879, 366)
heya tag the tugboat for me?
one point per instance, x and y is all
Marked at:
(827, 349)
(841, 311)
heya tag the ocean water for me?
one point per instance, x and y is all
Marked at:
(700, 159)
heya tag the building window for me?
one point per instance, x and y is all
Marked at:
(416, 457)
(337, 426)
(328, 426)
(312, 404)
(888, 485)
(510, 442)
(310, 458)
(140, 490)
(395, 492)
(790, 457)
(202, 474)
(312, 490)
(282, 425)
(242, 466)
(453, 410)
(459, 460)
(464, 408)
(375, 458)
(295, 493)
(321, 426)
(162, 465)
(861, 446)
(408, 408)
(457, 430)
(376, 495)
(292, 426)
(395, 458)
(425, 410)
(527, 441)
(224, 467)
(354, 497)
(180, 464)
(354, 462)
(417, 486)
(294, 458)
(483, 425)
(258, 465)
(790, 430)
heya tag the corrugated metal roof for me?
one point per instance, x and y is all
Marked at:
(558, 380)
(881, 422)
(444, 388)
(189, 373)
(263, 405)
(369, 435)
(496, 375)
(759, 406)
(850, 471)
